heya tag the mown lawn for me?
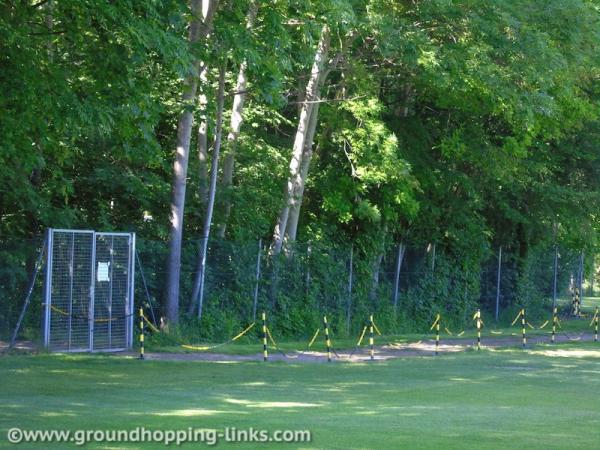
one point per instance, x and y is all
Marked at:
(540, 398)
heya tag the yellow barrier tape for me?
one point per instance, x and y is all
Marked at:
(362, 335)
(544, 324)
(65, 313)
(435, 322)
(530, 326)
(150, 324)
(271, 337)
(243, 332)
(448, 331)
(593, 319)
(516, 318)
(461, 333)
(312, 341)
(496, 332)
(208, 347)
(376, 329)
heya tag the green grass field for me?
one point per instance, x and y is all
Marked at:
(546, 397)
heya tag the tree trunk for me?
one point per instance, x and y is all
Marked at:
(198, 291)
(294, 214)
(312, 88)
(203, 12)
(235, 127)
(203, 143)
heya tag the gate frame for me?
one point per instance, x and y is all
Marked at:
(129, 306)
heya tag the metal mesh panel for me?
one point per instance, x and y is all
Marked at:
(89, 291)
(111, 292)
(71, 274)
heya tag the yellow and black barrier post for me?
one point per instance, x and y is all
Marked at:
(521, 314)
(523, 322)
(264, 333)
(141, 333)
(554, 322)
(327, 340)
(594, 322)
(596, 326)
(436, 325)
(478, 323)
(371, 338)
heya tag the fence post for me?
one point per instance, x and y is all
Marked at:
(371, 337)
(399, 260)
(264, 332)
(350, 280)
(256, 279)
(327, 340)
(141, 333)
(555, 277)
(523, 323)
(437, 338)
(554, 321)
(478, 320)
(580, 281)
(596, 325)
(498, 277)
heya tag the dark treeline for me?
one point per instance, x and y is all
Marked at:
(447, 128)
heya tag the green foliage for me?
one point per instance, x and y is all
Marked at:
(464, 124)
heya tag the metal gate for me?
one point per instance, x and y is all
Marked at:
(89, 291)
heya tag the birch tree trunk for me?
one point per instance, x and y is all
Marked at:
(198, 290)
(235, 127)
(203, 13)
(294, 214)
(203, 142)
(312, 89)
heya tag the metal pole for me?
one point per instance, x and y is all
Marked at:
(130, 304)
(399, 260)
(581, 268)
(264, 330)
(523, 322)
(48, 291)
(371, 338)
(554, 281)
(308, 253)
(350, 279)
(498, 277)
(327, 340)
(137, 256)
(92, 303)
(110, 290)
(70, 320)
(202, 271)
(478, 317)
(256, 279)
(141, 333)
(554, 322)
(37, 267)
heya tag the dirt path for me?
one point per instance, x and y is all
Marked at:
(381, 353)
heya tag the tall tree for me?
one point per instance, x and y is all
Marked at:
(235, 126)
(198, 290)
(202, 16)
(293, 181)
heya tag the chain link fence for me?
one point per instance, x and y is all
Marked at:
(405, 286)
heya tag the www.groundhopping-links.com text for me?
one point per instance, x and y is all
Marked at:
(205, 436)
